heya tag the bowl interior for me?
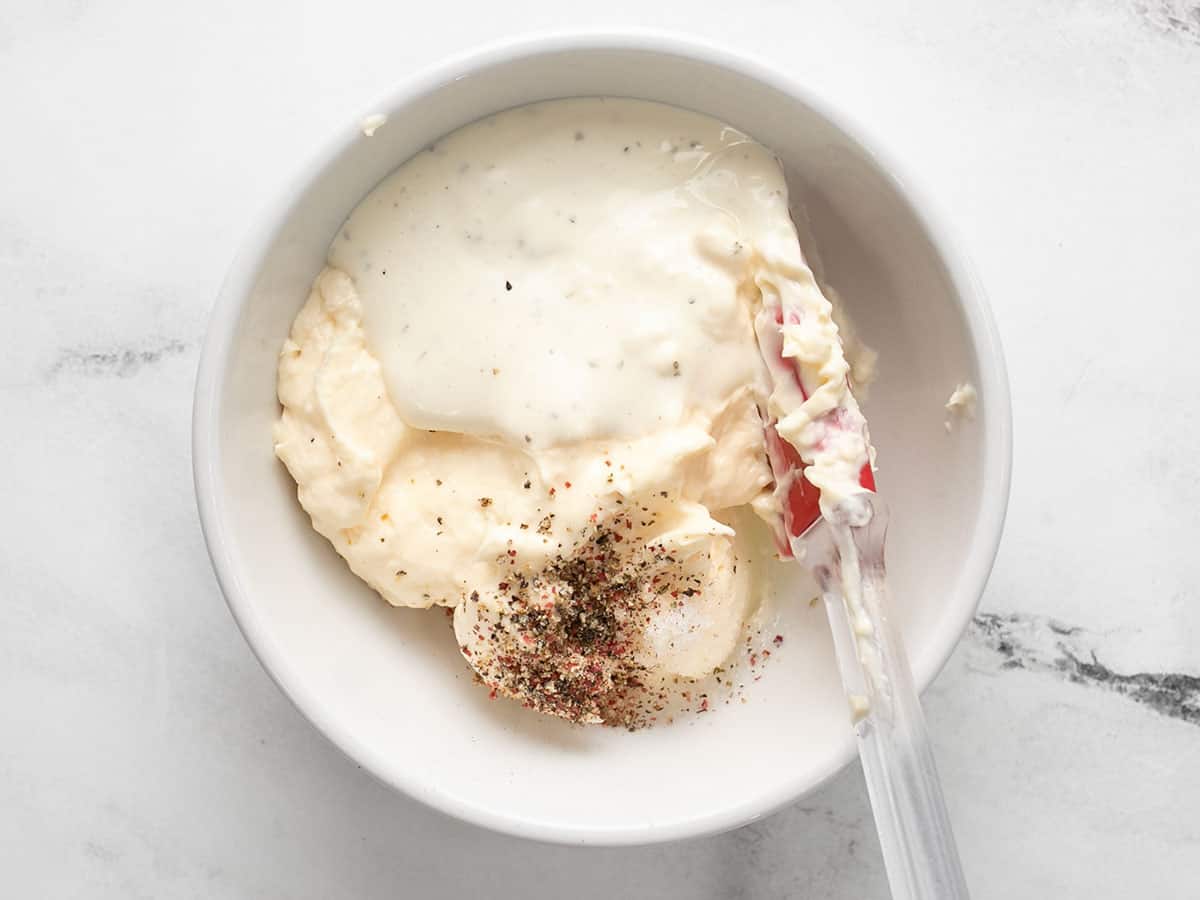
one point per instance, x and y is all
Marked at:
(386, 684)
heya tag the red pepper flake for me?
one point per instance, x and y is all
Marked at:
(552, 492)
(512, 553)
(466, 651)
(566, 484)
(778, 640)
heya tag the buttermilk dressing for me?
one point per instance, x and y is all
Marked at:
(566, 271)
(535, 339)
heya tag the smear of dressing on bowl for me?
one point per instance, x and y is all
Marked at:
(372, 124)
(961, 404)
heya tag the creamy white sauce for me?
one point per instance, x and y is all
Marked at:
(566, 271)
(546, 320)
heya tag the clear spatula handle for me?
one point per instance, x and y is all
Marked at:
(847, 557)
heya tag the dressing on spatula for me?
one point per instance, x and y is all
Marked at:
(830, 517)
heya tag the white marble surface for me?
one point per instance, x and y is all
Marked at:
(144, 753)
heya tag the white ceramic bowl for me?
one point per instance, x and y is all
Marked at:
(387, 686)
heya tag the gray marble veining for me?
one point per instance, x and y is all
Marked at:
(122, 362)
(1039, 644)
(1177, 18)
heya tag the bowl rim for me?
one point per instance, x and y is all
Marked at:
(996, 418)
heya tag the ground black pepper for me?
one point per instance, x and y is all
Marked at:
(568, 639)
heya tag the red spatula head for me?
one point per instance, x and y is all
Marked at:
(801, 506)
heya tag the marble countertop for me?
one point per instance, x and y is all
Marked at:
(143, 751)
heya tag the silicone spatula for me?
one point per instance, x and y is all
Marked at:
(846, 553)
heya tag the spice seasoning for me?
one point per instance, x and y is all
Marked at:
(568, 640)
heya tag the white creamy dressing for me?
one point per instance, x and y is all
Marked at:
(566, 271)
(546, 320)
